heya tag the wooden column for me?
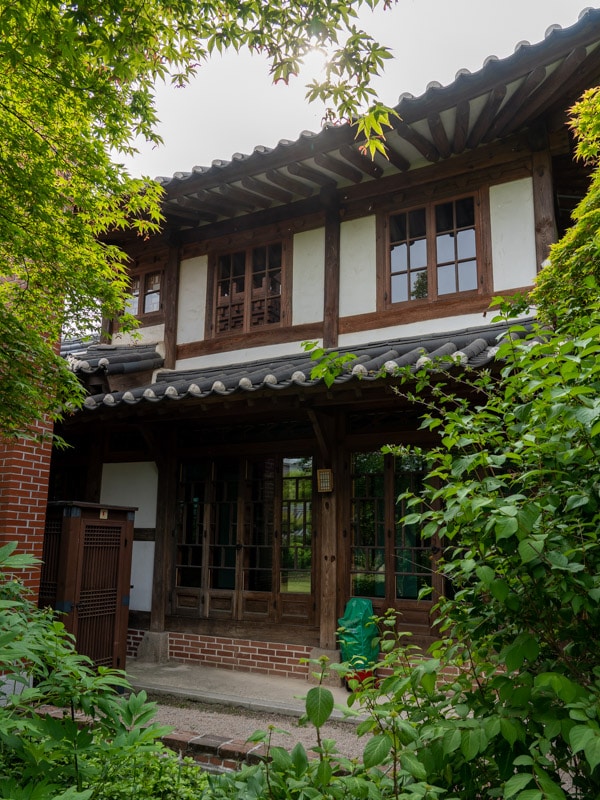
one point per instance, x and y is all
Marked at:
(165, 523)
(331, 302)
(543, 205)
(170, 305)
(325, 428)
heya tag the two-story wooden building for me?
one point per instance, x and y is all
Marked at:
(264, 502)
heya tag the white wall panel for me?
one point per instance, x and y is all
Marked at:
(513, 234)
(358, 268)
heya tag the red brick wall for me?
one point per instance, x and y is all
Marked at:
(245, 655)
(24, 475)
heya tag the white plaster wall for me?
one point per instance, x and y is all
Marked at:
(308, 280)
(240, 356)
(193, 276)
(142, 569)
(148, 335)
(358, 269)
(513, 234)
(135, 484)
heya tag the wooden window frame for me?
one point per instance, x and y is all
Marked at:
(247, 330)
(148, 317)
(422, 307)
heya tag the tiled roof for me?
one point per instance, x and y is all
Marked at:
(503, 97)
(112, 359)
(474, 347)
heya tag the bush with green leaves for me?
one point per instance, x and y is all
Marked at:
(507, 703)
(115, 754)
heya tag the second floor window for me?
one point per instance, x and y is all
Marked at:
(250, 288)
(432, 252)
(144, 293)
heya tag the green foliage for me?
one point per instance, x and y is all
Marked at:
(329, 364)
(507, 703)
(115, 754)
(77, 86)
(563, 285)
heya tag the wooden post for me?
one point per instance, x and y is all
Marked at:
(543, 205)
(331, 301)
(165, 510)
(170, 306)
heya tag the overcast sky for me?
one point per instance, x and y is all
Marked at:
(232, 106)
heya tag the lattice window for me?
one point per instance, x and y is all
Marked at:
(249, 288)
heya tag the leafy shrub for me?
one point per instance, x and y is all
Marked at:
(117, 753)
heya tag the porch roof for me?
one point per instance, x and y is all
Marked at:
(527, 91)
(472, 347)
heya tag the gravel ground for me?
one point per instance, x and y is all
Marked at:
(240, 723)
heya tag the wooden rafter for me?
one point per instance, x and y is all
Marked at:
(418, 141)
(461, 127)
(439, 136)
(486, 116)
(310, 174)
(294, 186)
(247, 199)
(340, 168)
(544, 92)
(396, 158)
(364, 163)
(528, 85)
(267, 189)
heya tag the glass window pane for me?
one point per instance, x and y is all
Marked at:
(399, 257)
(446, 279)
(399, 288)
(445, 248)
(417, 225)
(398, 228)
(465, 212)
(418, 253)
(418, 285)
(368, 585)
(444, 217)
(467, 276)
(465, 244)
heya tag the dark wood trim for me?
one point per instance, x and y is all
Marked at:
(170, 303)
(421, 143)
(221, 344)
(339, 168)
(487, 114)
(540, 96)
(469, 303)
(461, 127)
(546, 232)
(483, 232)
(331, 300)
(528, 84)
(264, 225)
(439, 135)
(363, 162)
(163, 551)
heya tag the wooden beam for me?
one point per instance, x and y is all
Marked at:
(165, 514)
(170, 305)
(364, 163)
(461, 127)
(294, 186)
(553, 83)
(546, 232)
(339, 168)
(247, 200)
(267, 189)
(418, 141)
(331, 300)
(528, 85)
(439, 136)
(486, 117)
(213, 202)
(310, 174)
(395, 158)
